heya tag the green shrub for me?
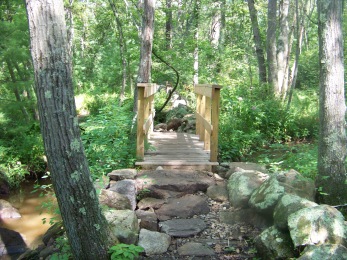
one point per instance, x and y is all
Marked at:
(125, 252)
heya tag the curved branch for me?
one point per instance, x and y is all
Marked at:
(177, 77)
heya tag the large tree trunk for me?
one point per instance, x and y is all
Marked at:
(331, 178)
(144, 74)
(271, 45)
(85, 225)
(283, 49)
(258, 42)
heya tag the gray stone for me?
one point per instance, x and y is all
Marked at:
(7, 210)
(265, 198)
(295, 183)
(148, 219)
(317, 225)
(195, 249)
(126, 188)
(150, 203)
(327, 251)
(247, 216)
(182, 227)
(184, 207)
(241, 186)
(11, 242)
(114, 200)
(122, 174)
(124, 225)
(248, 166)
(154, 242)
(273, 243)
(188, 182)
(218, 192)
(287, 205)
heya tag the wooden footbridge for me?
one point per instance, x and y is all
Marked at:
(178, 150)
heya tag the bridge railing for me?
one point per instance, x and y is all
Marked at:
(207, 116)
(145, 115)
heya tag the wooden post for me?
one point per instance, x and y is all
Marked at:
(215, 123)
(207, 116)
(198, 108)
(202, 113)
(140, 143)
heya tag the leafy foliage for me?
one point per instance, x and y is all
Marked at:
(125, 252)
(108, 139)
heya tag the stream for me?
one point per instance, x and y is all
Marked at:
(30, 225)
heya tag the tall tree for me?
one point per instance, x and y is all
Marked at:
(271, 47)
(85, 225)
(331, 177)
(258, 42)
(144, 73)
(168, 24)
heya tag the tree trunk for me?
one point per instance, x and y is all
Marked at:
(144, 73)
(196, 38)
(271, 45)
(122, 50)
(331, 177)
(258, 42)
(168, 25)
(85, 225)
(283, 49)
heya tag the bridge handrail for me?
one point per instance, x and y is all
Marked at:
(207, 116)
(145, 115)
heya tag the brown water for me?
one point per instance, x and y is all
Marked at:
(30, 225)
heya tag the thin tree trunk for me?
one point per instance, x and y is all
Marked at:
(332, 149)
(299, 36)
(196, 38)
(16, 91)
(168, 25)
(271, 45)
(283, 49)
(257, 42)
(122, 50)
(85, 225)
(144, 74)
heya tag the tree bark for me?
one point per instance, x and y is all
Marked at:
(144, 73)
(331, 177)
(283, 50)
(85, 225)
(196, 13)
(258, 42)
(271, 45)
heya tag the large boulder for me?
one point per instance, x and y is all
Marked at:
(241, 186)
(124, 225)
(122, 174)
(184, 207)
(114, 200)
(244, 166)
(247, 216)
(273, 243)
(7, 210)
(288, 205)
(265, 198)
(126, 188)
(154, 242)
(148, 220)
(317, 225)
(4, 185)
(326, 251)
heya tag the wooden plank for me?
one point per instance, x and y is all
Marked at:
(206, 125)
(177, 163)
(215, 124)
(205, 89)
(147, 125)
